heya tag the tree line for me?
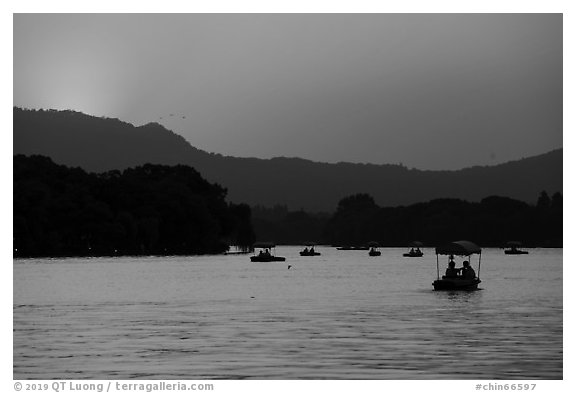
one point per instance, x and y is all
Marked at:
(147, 210)
(492, 222)
(172, 210)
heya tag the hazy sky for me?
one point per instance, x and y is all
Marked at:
(432, 91)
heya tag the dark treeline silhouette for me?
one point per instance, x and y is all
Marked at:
(148, 210)
(78, 140)
(492, 222)
(279, 225)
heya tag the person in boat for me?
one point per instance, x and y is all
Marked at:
(452, 271)
(467, 272)
(306, 250)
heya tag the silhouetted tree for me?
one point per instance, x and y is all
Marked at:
(556, 202)
(543, 201)
(153, 209)
(242, 233)
(354, 220)
(492, 222)
(281, 226)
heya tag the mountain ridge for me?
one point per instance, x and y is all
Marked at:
(102, 144)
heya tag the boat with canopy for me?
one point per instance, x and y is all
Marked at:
(374, 252)
(309, 251)
(415, 251)
(266, 253)
(458, 278)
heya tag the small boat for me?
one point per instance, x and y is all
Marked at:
(415, 251)
(309, 252)
(513, 249)
(266, 253)
(353, 248)
(238, 250)
(464, 278)
(374, 252)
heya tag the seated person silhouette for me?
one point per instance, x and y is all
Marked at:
(452, 271)
(467, 272)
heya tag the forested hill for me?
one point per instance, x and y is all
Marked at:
(101, 144)
(152, 209)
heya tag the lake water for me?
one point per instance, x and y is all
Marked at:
(342, 315)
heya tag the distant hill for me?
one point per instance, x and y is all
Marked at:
(100, 144)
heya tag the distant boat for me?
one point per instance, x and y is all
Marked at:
(353, 248)
(236, 252)
(309, 252)
(374, 252)
(513, 249)
(461, 278)
(265, 253)
(415, 251)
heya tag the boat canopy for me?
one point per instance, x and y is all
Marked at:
(416, 244)
(372, 244)
(462, 247)
(514, 243)
(264, 245)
